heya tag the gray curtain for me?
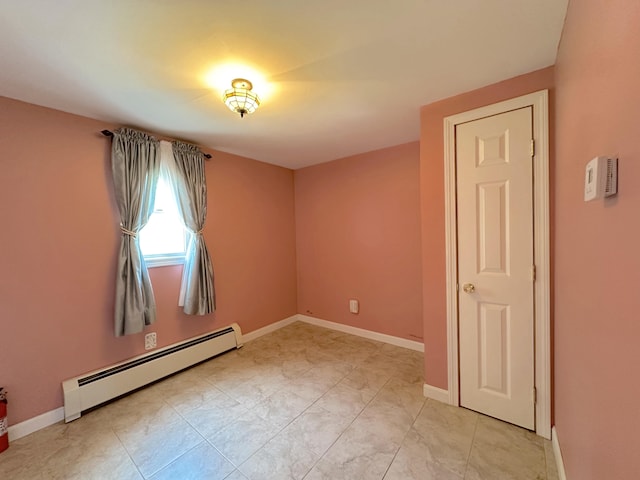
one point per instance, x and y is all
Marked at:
(187, 179)
(135, 161)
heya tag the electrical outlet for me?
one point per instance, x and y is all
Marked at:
(354, 306)
(150, 341)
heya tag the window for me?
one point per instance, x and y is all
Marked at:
(163, 240)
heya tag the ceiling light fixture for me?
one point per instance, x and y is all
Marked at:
(240, 98)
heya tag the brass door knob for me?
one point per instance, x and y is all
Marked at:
(469, 288)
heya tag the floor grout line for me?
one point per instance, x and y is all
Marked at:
(403, 439)
(473, 441)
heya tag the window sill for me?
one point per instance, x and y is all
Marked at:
(153, 261)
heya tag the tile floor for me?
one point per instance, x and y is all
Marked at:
(302, 402)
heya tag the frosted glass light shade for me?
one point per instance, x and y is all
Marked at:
(240, 98)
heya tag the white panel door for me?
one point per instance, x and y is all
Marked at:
(495, 266)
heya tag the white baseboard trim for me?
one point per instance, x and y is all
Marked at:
(361, 332)
(34, 424)
(557, 454)
(269, 328)
(435, 393)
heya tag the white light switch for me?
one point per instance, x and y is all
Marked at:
(354, 306)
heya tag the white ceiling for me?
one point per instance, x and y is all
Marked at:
(342, 76)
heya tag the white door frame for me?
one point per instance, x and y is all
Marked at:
(542, 311)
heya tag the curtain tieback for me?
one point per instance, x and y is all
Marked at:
(199, 232)
(128, 232)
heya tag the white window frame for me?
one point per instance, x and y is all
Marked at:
(166, 259)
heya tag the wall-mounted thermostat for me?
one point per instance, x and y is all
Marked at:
(601, 178)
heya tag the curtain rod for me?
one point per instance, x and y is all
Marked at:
(109, 133)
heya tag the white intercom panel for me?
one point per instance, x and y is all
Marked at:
(601, 178)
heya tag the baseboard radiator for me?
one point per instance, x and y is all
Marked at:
(94, 388)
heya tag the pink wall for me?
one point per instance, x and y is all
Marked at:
(358, 236)
(59, 240)
(597, 325)
(432, 204)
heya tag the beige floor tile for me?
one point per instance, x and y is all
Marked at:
(273, 376)
(446, 435)
(364, 451)
(236, 475)
(281, 408)
(292, 368)
(203, 462)
(500, 434)
(175, 385)
(345, 401)
(316, 355)
(334, 368)
(447, 423)
(242, 438)
(325, 374)
(230, 374)
(159, 442)
(505, 451)
(351, 409)
(407, 396)
(185, 395)
(68, 451)
(387, 419)
(365, 381)
(257, 389)
(550, 460)
(22, 461)
(420, 459)
(410, 372)
(309, 389)
(316, 429)
(487, 465)
(100, 455)
(82, 449)
(270, 354)
(315, 382)
(214, 415)
(326, 470)
(281, 458)
(353, 355)
(383, 364)
(131, 412)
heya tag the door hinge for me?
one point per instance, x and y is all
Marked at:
(534, 393)
(457, 287)
(533, 148)
(533, 273)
